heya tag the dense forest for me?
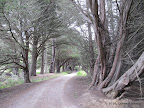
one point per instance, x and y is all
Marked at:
(105, 38)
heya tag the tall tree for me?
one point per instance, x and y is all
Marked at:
(18, 16)
(109, 58)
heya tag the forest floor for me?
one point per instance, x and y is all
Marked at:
(69, 91)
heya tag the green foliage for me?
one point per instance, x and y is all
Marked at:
(64, 73)
(47, 78)
(38, 71)
(81, 73)
(75, 52)
(11, 83)
(2, 3)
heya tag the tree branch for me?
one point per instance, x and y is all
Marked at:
(86, 16)
(10, 29)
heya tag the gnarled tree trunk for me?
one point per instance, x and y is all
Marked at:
(111, 52)
(129, 76)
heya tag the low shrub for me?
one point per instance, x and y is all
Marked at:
(11, 83)
(81, 73)
(64, 73)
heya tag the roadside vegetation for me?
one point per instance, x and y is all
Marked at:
(11, 83)
(81, 73)
(14, 82)
(46, 78)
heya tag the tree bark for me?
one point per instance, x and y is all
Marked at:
(129, 76)
(96, 70)
(122, 35)
(25, 59)
(42, 62)
(26, 75)
(91, 50)
(34, 56)
(52, 65)
(46, 61)
(58, 66)
(63, 67)
(15, 70)
(110, 60)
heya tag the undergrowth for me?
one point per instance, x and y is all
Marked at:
(47, 78)
(81, 73)
(43, 79)
(11, 83)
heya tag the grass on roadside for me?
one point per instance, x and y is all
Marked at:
(81, 73)
(11, 83)
(37, 72)
(47, 78)
(64, 73)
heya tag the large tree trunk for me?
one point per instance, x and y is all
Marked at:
(91, 47)
(103, 40)
(122, 34)
(42, 55)
(95, 73)
(42, 62)
(26, 75)
(15, 70)
(46, 61)
(25, 59)
(99, 29)
(129, 76)
(91, 50)
(34, 56)
(58, 66)
(52, 65)
(110, 62)
(33, 65)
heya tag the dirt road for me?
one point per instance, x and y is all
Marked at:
(49, 94)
